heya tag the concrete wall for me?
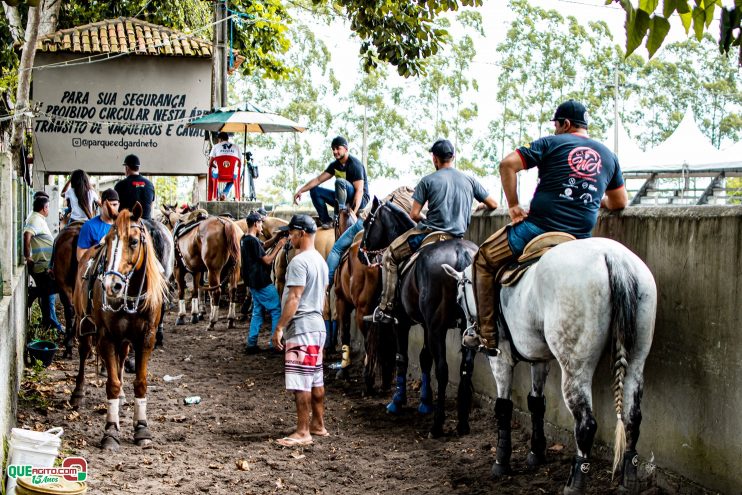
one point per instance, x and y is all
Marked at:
(693, 381)
(13, 315)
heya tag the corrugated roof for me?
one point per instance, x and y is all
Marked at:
(127, 35)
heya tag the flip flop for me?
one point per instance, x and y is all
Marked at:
(319, 434)
(293, 442)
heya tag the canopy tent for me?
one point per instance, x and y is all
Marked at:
(686, 150)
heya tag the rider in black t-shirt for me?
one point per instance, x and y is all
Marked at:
(576, 176)
(351, 184)
(135, 188)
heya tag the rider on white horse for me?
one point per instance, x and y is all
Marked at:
(575, 172)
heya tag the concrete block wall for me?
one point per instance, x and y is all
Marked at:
(693, 376)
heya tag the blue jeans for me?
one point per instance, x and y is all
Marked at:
(228, 188)
(53, 312)
(265, 298)
(521, 234)
(323, 197)
(340, 246)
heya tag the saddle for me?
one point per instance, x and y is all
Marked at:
(511, 273)
(189, 222)
(432, 238)
(92, 270)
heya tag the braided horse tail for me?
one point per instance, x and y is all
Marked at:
(624, 298)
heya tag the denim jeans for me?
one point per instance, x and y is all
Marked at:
(521, 234)
(265, 298)
(323, 197)
(340, 246)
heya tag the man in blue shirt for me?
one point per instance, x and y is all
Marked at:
(576, 176)
(96, 228)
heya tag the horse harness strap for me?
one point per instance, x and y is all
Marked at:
(510, 274)
(179, 231)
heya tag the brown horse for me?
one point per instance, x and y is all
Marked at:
(213, 246)
(64, 272)
(323, 241)
(119, 297)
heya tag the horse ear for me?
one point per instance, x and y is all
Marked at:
(451, 271)
(136, 212)
(376, 203)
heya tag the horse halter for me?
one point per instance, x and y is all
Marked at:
(375, 253)
(141, 260)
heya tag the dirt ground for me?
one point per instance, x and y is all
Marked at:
(226, 444)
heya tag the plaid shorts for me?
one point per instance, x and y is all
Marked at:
(303, 361)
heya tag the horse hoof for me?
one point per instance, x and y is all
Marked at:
(181, 321)
(201, 316)
(230, 323)
(144, 444)
(194, 319)
(159, 344)
(463, 429)
(424, 408)
(394, 408)
(211, 326)
(130, 365)
(108, 443)
(499, 470)
(436, 432)
(76, 401)
(535, 460)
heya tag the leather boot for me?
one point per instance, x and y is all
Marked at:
(492, 255)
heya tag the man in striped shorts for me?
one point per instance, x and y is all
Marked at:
(302, 325)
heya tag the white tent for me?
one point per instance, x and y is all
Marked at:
(687, 149)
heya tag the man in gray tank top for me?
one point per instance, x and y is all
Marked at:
(449, 195)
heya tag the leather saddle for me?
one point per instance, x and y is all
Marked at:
(189, 222)
(432, 238)
(511, 273)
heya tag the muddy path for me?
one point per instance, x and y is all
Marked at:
(226, 444)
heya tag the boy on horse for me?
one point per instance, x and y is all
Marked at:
(351, 184)
(97, 227)
(574, 173)
(449, 195)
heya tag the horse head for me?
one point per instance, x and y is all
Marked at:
(129, 251)
(464, 290)
(384, 223)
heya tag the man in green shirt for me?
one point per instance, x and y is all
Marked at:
(37, 251)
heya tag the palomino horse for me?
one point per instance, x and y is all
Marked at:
(323, 241)
(428, 297)
(213, 246)
(120, 298)
(580, 297)
(65, 271)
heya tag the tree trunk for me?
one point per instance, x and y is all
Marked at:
(49, 17)
(24, 84)
(14, 22)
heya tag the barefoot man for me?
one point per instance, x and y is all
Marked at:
(304, 328)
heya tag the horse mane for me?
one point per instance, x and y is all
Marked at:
(401, 215)
(155, 284)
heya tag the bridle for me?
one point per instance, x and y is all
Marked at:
(369, 254)
(126, 278)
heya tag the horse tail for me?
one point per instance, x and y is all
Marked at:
(624, 296)
(233, 242)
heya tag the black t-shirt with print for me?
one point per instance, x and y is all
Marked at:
(136, 188)
(574, 173)
(255, 273)
(352, 171)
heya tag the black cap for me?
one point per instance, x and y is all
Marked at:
(572, 110)
(253, 217)
(442, 149)
(38, 194)
(109, 195)
(301, 222)
(131, 161)
(339, 141)
(223, 136)
(262, 212)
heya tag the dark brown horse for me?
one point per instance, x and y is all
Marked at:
(64, 272)
(212, 246)
(119, 299)
(359, 286)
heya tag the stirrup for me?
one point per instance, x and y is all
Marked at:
(379, 316)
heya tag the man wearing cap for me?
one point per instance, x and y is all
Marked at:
(135, 188)
(221, 149)
(351, 184)
(303, 327)
(256, 272)
(576, 176)
(95, 229)
(449, 195)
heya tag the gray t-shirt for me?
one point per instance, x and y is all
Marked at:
(450, 195)
(307, 269)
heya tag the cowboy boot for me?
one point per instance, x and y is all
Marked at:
(383, 313)
(493, 254)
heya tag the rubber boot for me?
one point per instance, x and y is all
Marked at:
(504, 417)
(537, 455)
(578, 477)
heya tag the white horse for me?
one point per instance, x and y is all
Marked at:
(580, 296)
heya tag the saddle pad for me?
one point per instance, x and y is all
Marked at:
(431, 238)
(511, 273)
